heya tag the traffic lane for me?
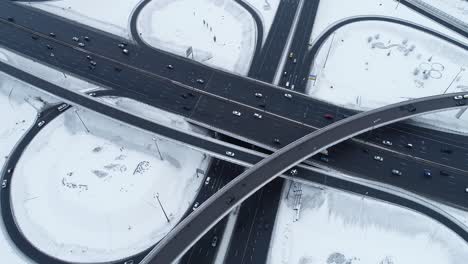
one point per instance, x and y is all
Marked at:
(241, 120)
(254, 226)
(418, 146)
(128, 118)
(193, 81)
(163, 90)
(167, 95)
(441, 183)
(101, 42)
(220, 173)
(428, 134)
(171, 105)
(300, 41)
(275, 42)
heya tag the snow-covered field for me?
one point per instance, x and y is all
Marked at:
(331, 11)
(90, 197)
(371, 64)
(151, 113)
(266, 9)
(456, 8)
(221, 33)
(18, 107)
(335, 227)
(115, 20)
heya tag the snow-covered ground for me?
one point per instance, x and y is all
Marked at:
(19, 104)
(371, 64)
(151, 113)
(456, 8)
(44, 72)
(331, 11)
(221, 33)
(336, 227)
(115, 20)
(89, 197)
(266, 9)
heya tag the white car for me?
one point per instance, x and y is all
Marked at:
(75, 39)
(458, 97)
(125, 51)
(207, 181)
(200, 81)
(396, 172)
(4, 183)
(378, 158)
(62, 107)
(195, 206)
(466, 190)
(258, 95)
(386, 142)
(230, 153)
(465, 96)
(237, 113)
(40, 124)
(81, 44)
(259, 116)
(288, 95)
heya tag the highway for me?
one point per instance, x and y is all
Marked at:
(299, 45)
(305, 112)
(220, 173)
(220, 204)
(141, 123)
(450, 183)
(265, 67)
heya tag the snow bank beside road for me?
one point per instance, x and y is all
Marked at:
(176, 25)
(335, 227)
(328, 13)
(92, 197)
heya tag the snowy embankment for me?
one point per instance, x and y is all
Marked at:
(93, 13)
(19, 105)
(328, 13)
(371, 64)
(221, 33)
(100, 189)
(266, 9)
(336, 227)
(456, 8)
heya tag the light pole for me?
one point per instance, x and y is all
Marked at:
(162, 208)
(79, 117)
(157, 147)
(456, 76)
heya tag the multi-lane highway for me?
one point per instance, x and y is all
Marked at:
(230, 104)
(299, 113)
(196, 224)
(214, 108)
